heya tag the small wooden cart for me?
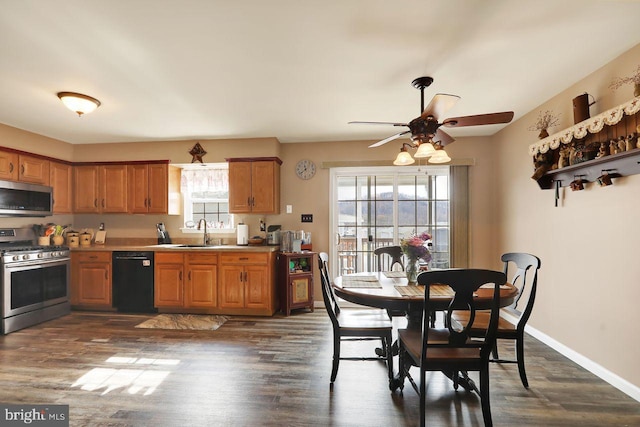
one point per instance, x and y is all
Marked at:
(295, 280)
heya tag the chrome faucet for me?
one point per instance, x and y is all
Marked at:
(204, 236)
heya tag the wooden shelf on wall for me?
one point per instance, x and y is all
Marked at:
(617, 165)
(622, 120)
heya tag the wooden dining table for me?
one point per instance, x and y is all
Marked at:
(391, 291)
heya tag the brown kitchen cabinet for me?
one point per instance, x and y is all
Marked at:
(254, 185)
(33, 170)
(186, 280)
(247, 282)
(295, 280)
(148, 186)
(91, 279)
(61, 179)
(100, 188)
(8, 166)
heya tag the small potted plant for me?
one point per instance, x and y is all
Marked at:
(546, 119)
(634, 79)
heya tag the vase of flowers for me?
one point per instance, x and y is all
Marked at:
(415, 249)
(632, 79)
(546, 119)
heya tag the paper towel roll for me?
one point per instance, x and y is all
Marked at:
(243, 235)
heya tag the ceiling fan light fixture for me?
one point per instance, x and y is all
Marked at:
(425, 149)
(404, 158)
(78, 103)
(440, 156)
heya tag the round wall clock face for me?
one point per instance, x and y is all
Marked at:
(305, 169)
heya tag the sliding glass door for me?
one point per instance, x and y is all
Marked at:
(377, 206)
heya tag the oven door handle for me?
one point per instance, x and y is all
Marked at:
(35, 263)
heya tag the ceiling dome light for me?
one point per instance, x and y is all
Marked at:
(425, 149)
(78, 103)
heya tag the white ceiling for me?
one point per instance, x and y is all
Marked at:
(298, 70)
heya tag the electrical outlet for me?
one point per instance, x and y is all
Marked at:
(306, 217)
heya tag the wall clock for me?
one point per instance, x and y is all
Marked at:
(305, 169)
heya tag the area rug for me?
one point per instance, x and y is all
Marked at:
(184, 321)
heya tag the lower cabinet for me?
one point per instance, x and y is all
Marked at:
(186, 280)
(91, 279)
(247, 283)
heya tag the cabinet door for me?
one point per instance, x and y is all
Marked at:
(8, 166)
(33, 170)
(94, 281)
(201, 288)
(60, 178)
(239, 187)
(158, 192)
(169, 287)
(257, 287)
(231, 286)
(138, 188)
(85, 184)
(113, 189)
(265, 187)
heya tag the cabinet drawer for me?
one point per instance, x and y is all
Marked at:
(244, 258)
(92, 256)
(169, 257)
(202, 258)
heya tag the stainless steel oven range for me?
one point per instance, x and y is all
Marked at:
(35, 280)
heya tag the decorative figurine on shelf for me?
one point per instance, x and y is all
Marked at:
(542, 163)
(602, 151)
(613, 147)
(563, 159)
(622, 144)
(631, 141)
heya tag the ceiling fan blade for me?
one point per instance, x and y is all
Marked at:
(439, 105)
(480, 119)
(379, 123)
(443, 137)
(391, 138)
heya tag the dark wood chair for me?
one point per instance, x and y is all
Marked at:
(525, 277)
(388, 256)
(354, 324)
(451, 349)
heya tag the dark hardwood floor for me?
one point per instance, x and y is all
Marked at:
(272, 371)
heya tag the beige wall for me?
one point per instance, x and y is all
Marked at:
(588, 245)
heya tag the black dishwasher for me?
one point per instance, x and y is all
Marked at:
(133, 282)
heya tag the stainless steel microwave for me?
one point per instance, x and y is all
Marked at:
(22, 199)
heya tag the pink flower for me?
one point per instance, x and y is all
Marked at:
(415, 247)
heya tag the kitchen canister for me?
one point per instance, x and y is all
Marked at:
(73, 239)
(85, 239)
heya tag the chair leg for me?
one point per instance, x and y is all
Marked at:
(494, 351)
(423, 392)
(387, 345)
(484, 397)
(520, 359)
(336, 357)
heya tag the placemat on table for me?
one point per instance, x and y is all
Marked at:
(418, 290)
(360, 282)
(395, 274)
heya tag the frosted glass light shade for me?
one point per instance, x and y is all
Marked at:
(403, 159)
(425, 150)
(440, 156)
(78, 103)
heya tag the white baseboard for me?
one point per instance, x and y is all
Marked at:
(618, 382)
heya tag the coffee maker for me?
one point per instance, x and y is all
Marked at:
(163, 236)
(273, 235)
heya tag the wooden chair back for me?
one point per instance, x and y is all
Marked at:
(388, 256)
(328, 296)
(525, 278)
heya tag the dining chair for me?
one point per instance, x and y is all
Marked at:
(354, 324)
(451, 349)
(388, 257)
(513, 318)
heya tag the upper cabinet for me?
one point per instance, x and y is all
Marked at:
(61, 179)
(100, 189)
(8, 165)
(254, 185)
(33, 169)
(148, 188)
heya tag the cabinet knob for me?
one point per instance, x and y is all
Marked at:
(10, 167)
(22, 169)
